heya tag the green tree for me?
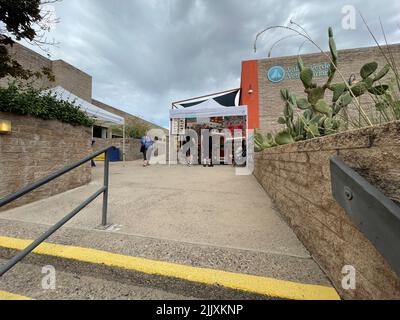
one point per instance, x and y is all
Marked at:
(136, 131)
(23, 20)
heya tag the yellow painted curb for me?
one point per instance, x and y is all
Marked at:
(254, 284)
(10, 296)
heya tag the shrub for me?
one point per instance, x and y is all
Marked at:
(44, 106)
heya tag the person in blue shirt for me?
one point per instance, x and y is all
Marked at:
(146, 145)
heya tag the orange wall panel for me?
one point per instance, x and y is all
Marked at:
(250, 80)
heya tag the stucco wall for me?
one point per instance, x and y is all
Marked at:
(66, 75)
(37, 148)
(350, 62)
(131, 120)
(297, 177)
(72, 79)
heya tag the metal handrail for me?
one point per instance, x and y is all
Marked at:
(16, 195)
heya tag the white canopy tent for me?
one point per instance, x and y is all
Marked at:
(91, 110)
(209, 108)
(205, 110)
(223, 104)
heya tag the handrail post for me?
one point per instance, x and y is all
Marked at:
(105, 194)
(14, 196)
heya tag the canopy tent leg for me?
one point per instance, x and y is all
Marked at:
(123, 144)
(170, 142)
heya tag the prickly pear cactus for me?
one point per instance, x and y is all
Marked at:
(317, 117)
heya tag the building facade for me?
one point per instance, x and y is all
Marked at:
(263, 79)
(73, 80)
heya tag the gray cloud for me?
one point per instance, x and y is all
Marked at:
(144, 54)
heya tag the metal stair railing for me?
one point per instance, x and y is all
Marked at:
(18, 194)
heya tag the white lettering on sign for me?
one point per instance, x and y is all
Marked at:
(320, 70)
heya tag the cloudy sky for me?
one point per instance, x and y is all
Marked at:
(144, 54)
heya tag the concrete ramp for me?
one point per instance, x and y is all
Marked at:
(83, 272)
(199, 205)
(197, 217)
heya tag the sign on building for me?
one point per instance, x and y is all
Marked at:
(277, 74)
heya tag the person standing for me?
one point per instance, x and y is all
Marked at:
(189, 143)
(93, 164)
(146, 145)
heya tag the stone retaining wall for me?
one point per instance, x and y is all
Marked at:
(35, 149)
(297, 177)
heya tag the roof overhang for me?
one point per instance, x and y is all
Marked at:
(94, 112)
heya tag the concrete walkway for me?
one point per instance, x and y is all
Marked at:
(199, 205)
(206, 217)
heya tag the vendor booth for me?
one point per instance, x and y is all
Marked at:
(208, 114)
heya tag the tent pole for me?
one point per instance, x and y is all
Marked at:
(170, 142)
(123, 143)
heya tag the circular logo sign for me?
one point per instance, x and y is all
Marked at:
(276, 74)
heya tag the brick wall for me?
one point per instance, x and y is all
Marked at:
(35, 149)
(297, 177)
(132, 147)
(350, 62)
